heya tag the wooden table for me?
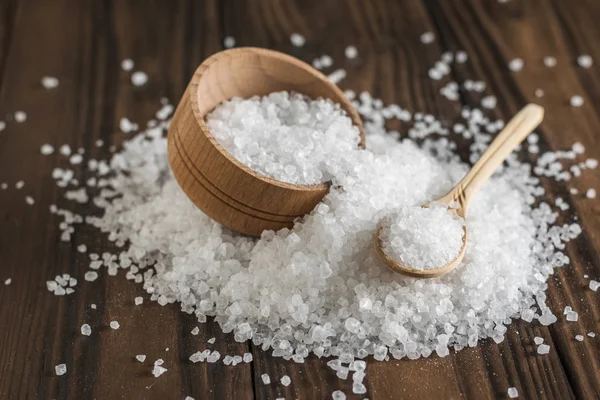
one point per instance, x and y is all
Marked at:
(82, 43)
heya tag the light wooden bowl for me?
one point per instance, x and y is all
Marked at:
(223, 188)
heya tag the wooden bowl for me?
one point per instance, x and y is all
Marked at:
(223, 188)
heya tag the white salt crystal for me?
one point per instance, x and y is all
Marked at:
(211, 340)
(127, 126)
(572, 316)
(422, 237)
(285, 380)
(65, 150)
(266, 379)
(461, 57)
(139, 78)
(46, 149)
(576, 101)
(338, 395)
(29, 200)
(590, 194)
(90, 276)
(20, 116)
(189, 398)
(127, 64)
(49, 82)
(585, 61)
(76, 159)
(539, 93)
(114, 324)
(19, 185)
(337, 75)
(489, 102)
(158, 371)
(141, 357)
(82, 248)
(591, 334)
(516, 64)
(93, 306)
(138, 300)
(543, 349)
(248, 357)
(579, 338)
(550, 61)
(594, 285)
(86, 330)
(229, 42)
(538, 340)
(351, 52)
(427, 37)
(195, 331)
(2, 125)
(7, 281)
(60, 369)
(512, 392)
(297, 39)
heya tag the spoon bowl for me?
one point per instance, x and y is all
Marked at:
(229, 192)
(511, 136)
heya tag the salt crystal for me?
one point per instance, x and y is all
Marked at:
(572, 316)
(86, 330)
(594, 285)
(461, 57)
(337, 75)
(489, 102)
(141, 357)
(19, 185)
(338, 395)
(114, 324)
(512, 392)
(351, 52)
(297, 39)
(266, 379)
(576, 101)
(248, 357)
(590, 194)
(49, 82)
(211, 340)
(195, 331)
(550, 61)
(158, 371)
(46, 149)
(538, 340)
(579, 338)
(2, 125)
(139, 78)
(7, 281)
(427, 38)
(29, 200)
(229, 42)
(76, 159)
(285, 380)
(127, 126)
(543, 349)
(591, 334)
(93, 306)
(82, 248)
(60, 369)
(127, 64)
(20, 116)
(516, 64)
(585, 61)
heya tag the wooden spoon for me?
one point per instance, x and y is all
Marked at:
(517, 129)
(229, 192)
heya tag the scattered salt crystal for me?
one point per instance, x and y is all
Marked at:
(543, 349)
(285, 380)
(591, 334)
(19, 185)
(337, 75)
(585, 61)
(512, 392)
(141, 357)
(422, 237)
(93, 306)
(114, 324)
(99, 143)
(86, 330)
(550, 61)
(2, 125)
(579, 338)
(576, 101)
(127, 126)
(590, 194)
(82, 248)
(297, 39)
(461, 57)
(538, 93)
(359, 388)
(7, 281)
(351, 52)
(60, 369)
(189, 398)
(158, 371)
(229, 42)
(266, 379)
(591, 163)
(20, 116)
(594, 285)
(572, 316)
(138, 300)
(427, 37)
(538, 340)
(127, 64)
(4, 186)
(29, 200)
(489, 102)
(195, 331)
(338, 395)
(76, 159)
(139, 78)
(46, 149)
(516, 64)
(65, 150)
(211, 340)
(49, 82)
(248, 357)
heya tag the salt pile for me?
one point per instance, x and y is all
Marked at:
(285, 136)
(422, 237)
(319, 288)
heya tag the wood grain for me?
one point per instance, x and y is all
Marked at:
(83, 42)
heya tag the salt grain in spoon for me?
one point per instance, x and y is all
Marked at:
(396, 252)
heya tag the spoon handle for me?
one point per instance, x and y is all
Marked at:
(511, 136)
